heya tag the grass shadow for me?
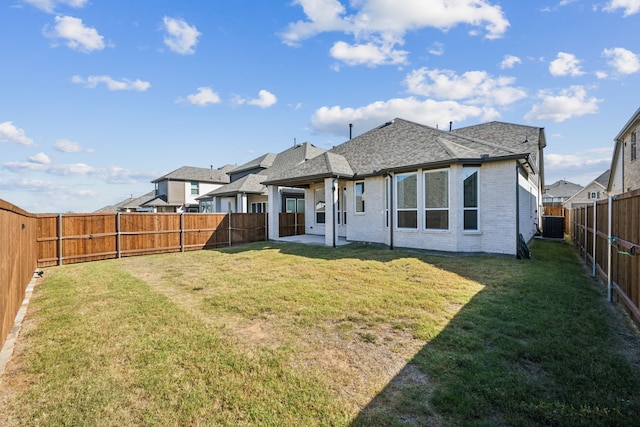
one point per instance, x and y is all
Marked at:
(530, 349)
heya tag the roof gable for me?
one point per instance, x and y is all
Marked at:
(190, 173)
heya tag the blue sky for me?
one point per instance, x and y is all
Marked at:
(98, 98)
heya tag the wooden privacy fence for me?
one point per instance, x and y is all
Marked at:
(607, 234)
(72, 238)
(18, 255)
(291, 224)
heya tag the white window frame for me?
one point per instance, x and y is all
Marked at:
(398, 209)
(319, 205)
(357, 209)
(426, 209)
(472, 169)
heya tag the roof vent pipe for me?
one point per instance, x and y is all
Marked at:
(350, 129)
(450, 126)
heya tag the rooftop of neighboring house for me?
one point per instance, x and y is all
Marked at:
(270, 164)
(403, 145)
(190, 173)
(129, 203)
(562, 189)
(604, 178)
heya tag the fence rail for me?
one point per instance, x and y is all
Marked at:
(72, 238)
(607, 234)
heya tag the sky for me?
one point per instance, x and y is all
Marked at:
(100, 97)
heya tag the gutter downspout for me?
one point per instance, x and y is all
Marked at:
(517, 209)
(391, 210)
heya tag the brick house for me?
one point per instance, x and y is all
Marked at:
(625, 166)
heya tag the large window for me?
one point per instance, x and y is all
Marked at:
(470, 198)
(359, 197)
(407, 200)
(195, 188)
(320, 206)
(436, 199)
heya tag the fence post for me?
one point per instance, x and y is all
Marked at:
(229, 226)
(595, 223)
(59, 239)
(118, 249)
(609, 228)
(182, 232)
(586, 234)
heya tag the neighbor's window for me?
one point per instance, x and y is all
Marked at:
(195, 188)
(593, 195)
(634, 154)
(407, 200)
(436, 199)
(359, 197)
(320, 206)
(470, 198)
(258, 207)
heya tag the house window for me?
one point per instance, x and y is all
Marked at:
(290, 205)
(258, 207)
(634, 153)
(195, 188)
(407, 200)
(359, 197)
(342, 206)
(320, 206)
(436, 200)
(593, 195)
(470, 198)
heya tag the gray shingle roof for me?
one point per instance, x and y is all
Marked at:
(562, 188)
(402, 144)
(279, 163)
(190, 173)
(604, 178)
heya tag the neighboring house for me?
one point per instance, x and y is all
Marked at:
(246, 193)
(407, 185)
(558, 192)
(131, 204)
(178, 191)
(625, 166)
(594, 191)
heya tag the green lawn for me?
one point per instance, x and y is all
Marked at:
(292, 335)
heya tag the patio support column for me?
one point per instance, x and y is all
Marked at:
(331, 201)
(241, 202)
(273, 212)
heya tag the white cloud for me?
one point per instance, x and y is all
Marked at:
(571, 102)
(40, 158)
(580, 167)
(477, 87)
(265, 99)
(436, 49)
(378, 26)
(630, 6)
(370, 54)
(112, 84)
(181, 37)
(510, 61)
(67, 146)
(334, 120)
(78, 37)
(565, 64)
(50, 5)
(622, 60)
(111, 175)
(204, 96)
(10, 133)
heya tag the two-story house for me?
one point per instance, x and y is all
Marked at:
(625, 166)
(178, 191)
